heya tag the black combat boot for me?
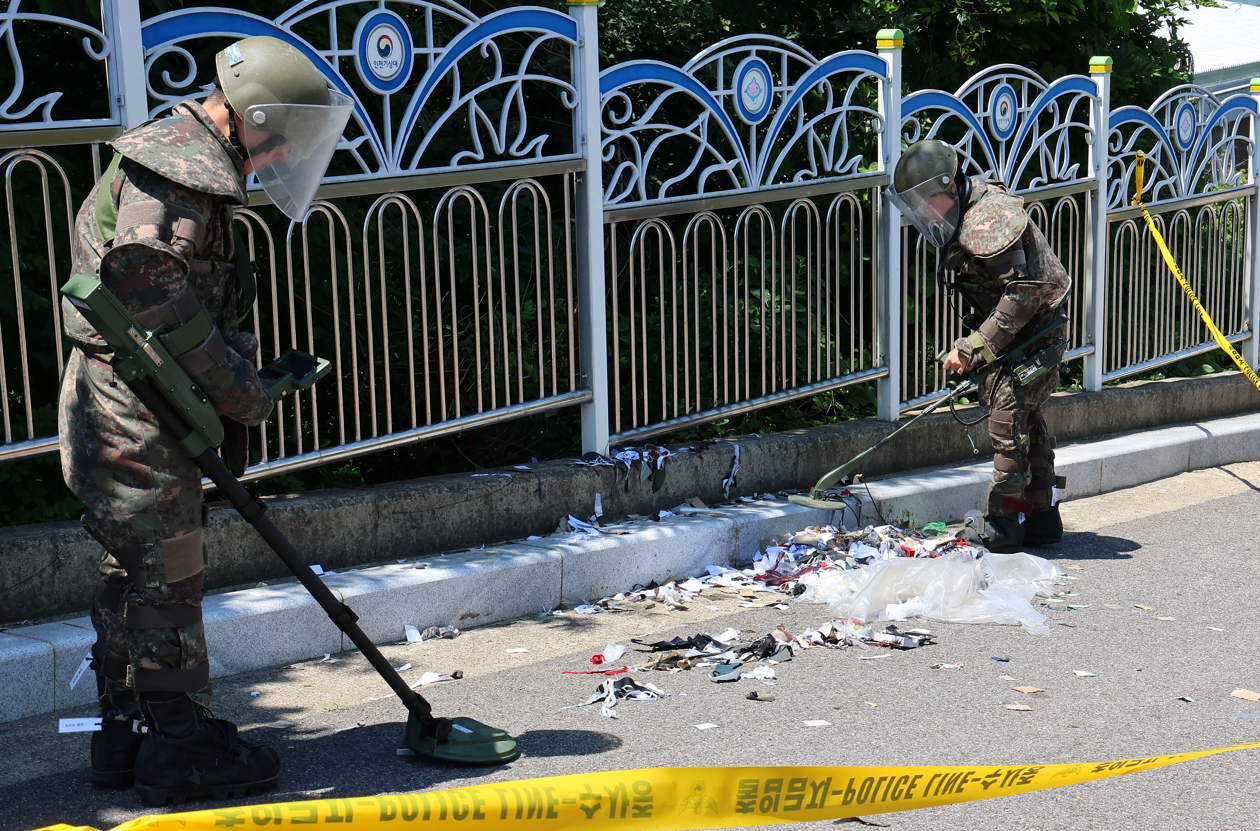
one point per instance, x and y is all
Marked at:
(115, 745)
(1001, 530)
(189, 754)
(1043, 527)
(996, 532)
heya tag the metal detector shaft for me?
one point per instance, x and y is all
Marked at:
(853, 464)
(254, 512)
(972, 383)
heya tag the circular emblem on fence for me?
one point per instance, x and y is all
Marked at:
(382, 51)
(752, 90)
(1185, 125)
(1002, 112)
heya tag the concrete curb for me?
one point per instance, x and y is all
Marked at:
(275, 625)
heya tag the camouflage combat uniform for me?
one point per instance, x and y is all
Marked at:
(170, 257)
(1007, 271)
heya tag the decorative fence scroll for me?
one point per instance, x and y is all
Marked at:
(1198, 150)
(767, 294)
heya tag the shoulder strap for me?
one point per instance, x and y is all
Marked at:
(106, 210)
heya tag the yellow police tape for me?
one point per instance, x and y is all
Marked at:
(662, 799)
(1172, 266)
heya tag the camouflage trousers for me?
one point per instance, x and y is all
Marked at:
(142, 502)
(1023, 449)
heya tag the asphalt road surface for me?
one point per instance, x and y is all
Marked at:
(1186, 547)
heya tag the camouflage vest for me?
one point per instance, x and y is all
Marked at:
(994, 221)
(186, 150)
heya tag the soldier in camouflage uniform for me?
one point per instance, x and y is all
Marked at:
(1004, 268)
(157, 230)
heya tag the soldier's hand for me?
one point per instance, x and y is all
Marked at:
(954, 363)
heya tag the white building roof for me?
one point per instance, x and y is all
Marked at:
(1225, 43)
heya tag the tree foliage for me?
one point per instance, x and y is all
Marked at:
(946, 41)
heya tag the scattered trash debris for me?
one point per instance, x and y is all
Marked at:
(434, 633)
(1185, 698)
(816, 723)
(1165, 618)
(611, 690)
(351, 727)
(1003, 660)
(327, 657)
(255, 693)
(1216, 629)
(706, 726)
(1246, 695)
(430, 678)
(947, 666)
(402, 668)
(1020, 707)
(1140, 606)
(405, 751)
(761, 673)
(317, 569)
(1080, 673)
(860, 821)
(412, 634)
(1027, 690)
(279, 725)
(756, 696)
(1005, 678)
(516, 651)
(729, 481)
(79, 725)
(885, 573)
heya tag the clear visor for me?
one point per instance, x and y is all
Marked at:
(290, 146)
(932, 207)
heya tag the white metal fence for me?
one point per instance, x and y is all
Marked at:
(506, 230)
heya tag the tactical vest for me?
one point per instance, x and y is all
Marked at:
(222, 276)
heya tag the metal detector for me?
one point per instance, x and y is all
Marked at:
(1025, 361)
(142, 361)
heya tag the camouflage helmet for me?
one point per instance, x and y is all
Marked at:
(292, 120)
(927, 160)
(266, 70)
(923, 189)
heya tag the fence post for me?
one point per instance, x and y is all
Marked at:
(888, 42)
(1095, 294)
(592, 306)
(130, 92)
(1251, 347)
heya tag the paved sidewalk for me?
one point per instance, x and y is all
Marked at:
(1185, 546)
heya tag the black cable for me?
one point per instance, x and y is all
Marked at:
(871, 496)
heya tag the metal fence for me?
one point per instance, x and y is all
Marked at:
(505, 229)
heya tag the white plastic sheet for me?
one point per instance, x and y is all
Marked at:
(996, 588)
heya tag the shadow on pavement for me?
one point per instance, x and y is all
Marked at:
(1086, 545)
(549, 743)
(356, 762)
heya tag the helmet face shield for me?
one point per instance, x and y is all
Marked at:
(932, 207)
(290, 146)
